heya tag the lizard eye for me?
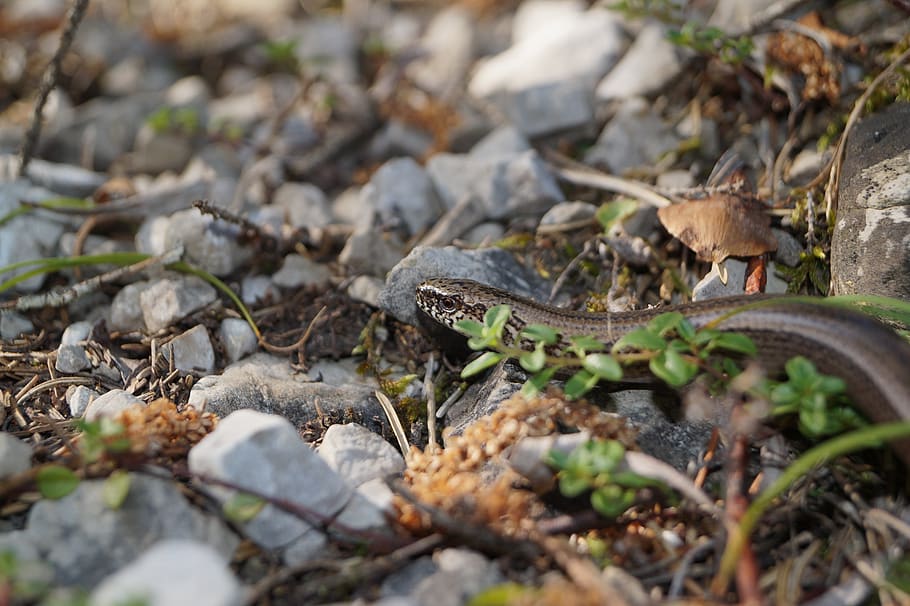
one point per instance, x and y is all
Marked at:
(447, 304)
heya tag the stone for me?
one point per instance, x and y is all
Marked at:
(71, 354)
(125, 314)
(257, 289)
(448, 50)
(650, 64)
(635, 136)
(64, 179)
(370, 252)
(191, 350)
(304, 205)
(237, 338)
(710, 286)
(569, 212)
(403, 196)
(84, 539)
(15, 455)
(168, 300)
(13, 324)
(110, 404)
(78, 397)
(359, 455)
(298, 271)
(366, 289)
(194, 573)
(208, 243)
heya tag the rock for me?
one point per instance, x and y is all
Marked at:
(569, 212)
(649, 65)
(789, 248)
(366, 289)
(110, 404)
(304, 205)
(237, 338)
(354, 209)
(710, 286)
(191, 350)
(125, 314)
(194, 573)
(265, 382)
(157, 152)
(64, 179)
(298, 271)
(26, 237)
(484, 234)
(503, 141)
(492, 266)
(166, 301)
(544, 81)
(78, 397)
(484, 397)
(397, 139)
(208, 243)
(370, 252)
(359, 455)
(403, 196)
(870, 248)
(15, 455)
(84, 539)
(450, 578)
(13, 324)
(448, 50)
(506, 185)
(71, 354)
(636, 136)
(258, 289)
(264, 453)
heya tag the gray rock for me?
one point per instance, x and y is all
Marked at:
(506, 185)
(870, 248)
(191, 350)
(403, 196)
(503, 141)
(636, 136)
(26, 237)
(448, 50)
(85, 540)
(264, 453)
(13, 324)
(710, 286)
(359, 455)
(64, 179)
(396, 139)
(370, 252)
(170, 299)
(15, 455)
(157, 152)
(675, 179)
(298, 271)
(569, 212)
(258, 289)
(649, 65)
(450, 578)
(545, 80)
(304, 205)
(806, 165)
(237, 338)
(208, 243)
(484, 234)
(788, 248)
(485, 397)
(71, 354)
(125, 314)
(194, 573)
(110, 404)
(266, 383)
(366, 289)
(30, 569)
(492, 266)
(78, 397)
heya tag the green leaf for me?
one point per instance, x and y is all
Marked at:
(496, 317)
(800, 370)
(534, 361)
(538, 382)
(735, 342)
(572, 484)
(611, 501)
(242, 507)
(672, 368)
(485, 361)
(611, 212)
(503, 595)
(116, 488)
(582, 344)
(557, 459)
(579, 384)
(56, 481)
(641, 339)
(470, 328)
(666, 322)
(603, 366)
(540, 333)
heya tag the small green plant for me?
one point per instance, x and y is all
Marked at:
(713, 41)
(55, 481)
(597, 466)
(812, 268)
(242, 507)
(282, 55)
(104, 436)
(183, 120)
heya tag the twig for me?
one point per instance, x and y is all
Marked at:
(430, 393)
(394, 421)
(599, 180)
(49, 81)
(300, 343)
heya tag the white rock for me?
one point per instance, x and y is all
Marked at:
(304, 205)
(78, 397)
(257, 289)
(403, 195)
(448, 45)
(649, 65)
(371, 252)
(358, 454)
(13, 324)
(173, 572)
(237, 338)
(192, 350)
(636, 136)
(110, 404)
(15, 455)
(170, 299)
(298, 271)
